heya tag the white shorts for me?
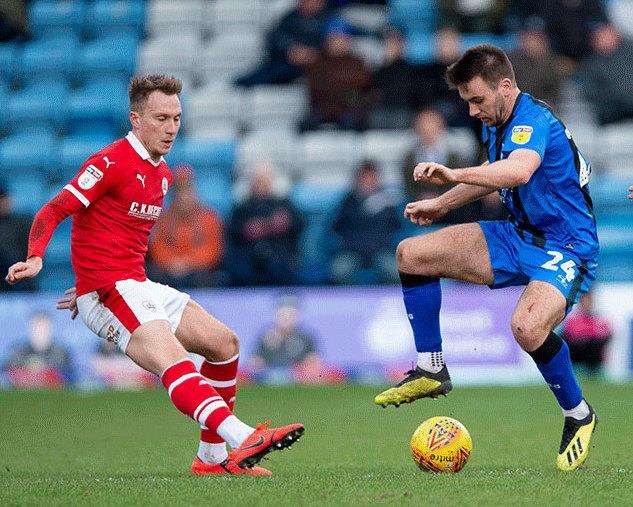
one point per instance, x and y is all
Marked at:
(114, 312)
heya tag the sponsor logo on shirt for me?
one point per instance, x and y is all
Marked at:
(165, 185)
(144, 211)
(89, 177)
(521, 134)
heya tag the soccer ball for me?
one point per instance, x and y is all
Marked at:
(441, 444)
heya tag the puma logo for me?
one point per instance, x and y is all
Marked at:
(108, 163)
(141, 179)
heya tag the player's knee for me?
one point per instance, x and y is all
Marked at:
(528, 332)
(229, 345)
(406, 257)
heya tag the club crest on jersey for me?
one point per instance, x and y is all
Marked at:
(89, 177)
(165, 185)
(521, 134)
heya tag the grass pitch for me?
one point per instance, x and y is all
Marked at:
(120, 448)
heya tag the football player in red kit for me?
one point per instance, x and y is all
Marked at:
(114, 200)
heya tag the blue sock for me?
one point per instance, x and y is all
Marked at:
(553, 361)
(423, 298)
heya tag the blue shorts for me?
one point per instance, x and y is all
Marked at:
(516, 260)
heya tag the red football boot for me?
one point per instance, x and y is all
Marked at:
(262, 441)
(199, 467)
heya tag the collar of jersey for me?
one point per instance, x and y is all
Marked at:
(140, 149)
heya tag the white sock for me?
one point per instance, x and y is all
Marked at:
(212, 453)
(234, 431)
(579, 412)
(431, 361)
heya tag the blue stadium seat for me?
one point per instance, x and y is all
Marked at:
(8, 60)
(101, 101)
(316, 200)
(73, 152)
(42, 101)
(56, 277)
(31, 151)
(410, 15)
(215, 191)
(44, 15)
(112, 54)
(506, 42)
(55, 57)
(207, 154)
(28, 191)
(420, 47)
(103, 15)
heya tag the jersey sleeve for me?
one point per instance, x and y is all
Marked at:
(92, 181)
(528, 134)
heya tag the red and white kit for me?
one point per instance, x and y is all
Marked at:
(118, 195)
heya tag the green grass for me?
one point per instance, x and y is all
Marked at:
(119, 448)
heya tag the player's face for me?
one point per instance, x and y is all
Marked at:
(486, 103)
(158, 122)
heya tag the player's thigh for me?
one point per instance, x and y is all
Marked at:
(154, 347)
(458, 251)
(540, 308)
(201, 333)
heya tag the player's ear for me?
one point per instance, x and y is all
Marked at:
(135, 119)
(505, 85)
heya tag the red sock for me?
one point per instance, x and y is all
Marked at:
(193, 396)
(222, 376)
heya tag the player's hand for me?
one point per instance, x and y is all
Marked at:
(23, 270)
(69, 302)
(433, 173)
(424, 212)
(631, 192)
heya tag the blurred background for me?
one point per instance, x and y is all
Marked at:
(302, 122)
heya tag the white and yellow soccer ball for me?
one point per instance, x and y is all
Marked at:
(441, 444)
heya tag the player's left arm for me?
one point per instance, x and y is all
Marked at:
(513, 171)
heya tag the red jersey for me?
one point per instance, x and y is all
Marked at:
(122, 190)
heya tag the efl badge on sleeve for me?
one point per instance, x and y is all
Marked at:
(165, 185)
(521, 134)
(89, 177)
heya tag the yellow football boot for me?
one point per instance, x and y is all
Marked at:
(417, 383)
(574, 446)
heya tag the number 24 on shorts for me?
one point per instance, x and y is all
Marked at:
(568, 267)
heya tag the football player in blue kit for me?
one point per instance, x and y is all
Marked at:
(549, 243)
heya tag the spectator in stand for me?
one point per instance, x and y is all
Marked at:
(115, 370)
(264, 232)
(287, 351)
(606, 82)
(40, 362)
(187, 246)
(486, 16)
(339, 83)
(393, 83)
(366, 223)
(587, 335)
(13, 23)
(534, 64)
(292, 45)
(14, 235)
(569, 25)
(433, 143)
(430, 88)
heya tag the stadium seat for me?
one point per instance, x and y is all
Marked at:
(114, 53)
(506, 42)
(43, 101)
(235, 15)
(28, 191)
(169, 15)
(229, 55)
(55, 56)
(206, 154)
(366, 18)
(617, 145)
(370, 49)
(413, 15)
(388, 148)
(32, 151)
(214, 189)
(99, 101)
(330, 156)
(280, 147)
(44, 15)
(276, 107)
(165, 54)
(104, 15)
(420, 47)
(214, 130)
(8, 60)
(214, 103)
(57, 276)
(73, 151)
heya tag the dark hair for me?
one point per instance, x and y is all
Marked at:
(484, 60)
(142, 86)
